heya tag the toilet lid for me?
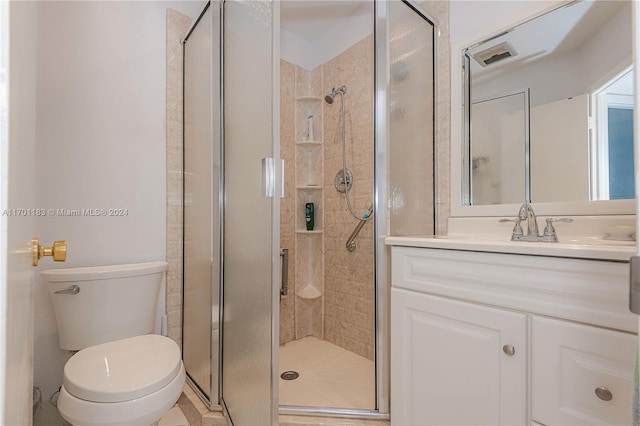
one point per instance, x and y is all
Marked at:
(122, 370)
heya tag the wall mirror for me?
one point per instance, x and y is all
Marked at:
(547, 109)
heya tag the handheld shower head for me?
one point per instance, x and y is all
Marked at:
(331, 96)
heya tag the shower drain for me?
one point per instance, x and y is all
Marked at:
(290, 375)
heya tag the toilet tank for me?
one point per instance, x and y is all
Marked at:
(110, 302)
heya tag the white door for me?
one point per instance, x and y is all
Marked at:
(17, 159)
(560, 127)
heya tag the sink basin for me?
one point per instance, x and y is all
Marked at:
(599, 242)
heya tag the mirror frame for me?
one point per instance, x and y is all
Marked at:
(458, 136)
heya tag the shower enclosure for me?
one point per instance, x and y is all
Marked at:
(285, 260)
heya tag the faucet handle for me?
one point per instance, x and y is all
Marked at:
(517, 229)
(550, 231)
(523, 211)
(562, 219)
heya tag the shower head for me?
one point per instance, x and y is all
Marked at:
(331, 96)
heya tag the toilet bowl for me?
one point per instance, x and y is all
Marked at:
(128, 382)
(121, 375)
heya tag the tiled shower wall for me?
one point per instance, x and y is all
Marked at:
(177, 25)
(349, 285)
(299, 316)
(439, 10)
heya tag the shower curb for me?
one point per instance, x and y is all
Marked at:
(196, 412)
(199, 415)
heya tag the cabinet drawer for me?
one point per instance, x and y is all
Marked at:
(580, 290)
(569, 362)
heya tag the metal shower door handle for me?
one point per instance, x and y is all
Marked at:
(284, 285)
(269, 177)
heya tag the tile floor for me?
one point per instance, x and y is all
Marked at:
(47, 415)
(330, 376)
(175, 417)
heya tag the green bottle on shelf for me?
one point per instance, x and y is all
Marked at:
(308, 216)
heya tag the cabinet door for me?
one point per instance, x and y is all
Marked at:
(569, 362)
(449, 363)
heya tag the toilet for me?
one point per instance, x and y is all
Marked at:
(122, 375)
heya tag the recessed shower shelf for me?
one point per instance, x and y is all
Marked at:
(309, 292)
(308, 161)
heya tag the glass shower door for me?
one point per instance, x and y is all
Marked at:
(201, 204)
(251, 215)
(411, 121)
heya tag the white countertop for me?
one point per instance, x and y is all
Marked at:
(582, 248)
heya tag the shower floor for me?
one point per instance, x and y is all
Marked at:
(330, 376)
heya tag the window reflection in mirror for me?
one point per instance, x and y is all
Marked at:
(572, 62)
(612, 155)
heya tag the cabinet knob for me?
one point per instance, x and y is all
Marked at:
(509, 350)
(604, 393)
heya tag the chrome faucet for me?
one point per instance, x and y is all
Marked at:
(526, 214)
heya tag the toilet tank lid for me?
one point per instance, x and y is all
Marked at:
(123, 370)
(104, 272)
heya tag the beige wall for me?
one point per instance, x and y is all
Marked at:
(439, 10)
(300, 96)
(346, 307)
(177, 25)
(349, 285)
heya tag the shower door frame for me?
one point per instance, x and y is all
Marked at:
(382, 254)
(381, 221)
(213, 401)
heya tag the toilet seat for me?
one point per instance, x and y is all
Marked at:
(122, 370)
(136, 412)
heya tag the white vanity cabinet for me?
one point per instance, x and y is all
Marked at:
(455, 362)
(502, 339)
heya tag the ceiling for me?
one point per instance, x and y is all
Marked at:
(552, 34)
(311, 19)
